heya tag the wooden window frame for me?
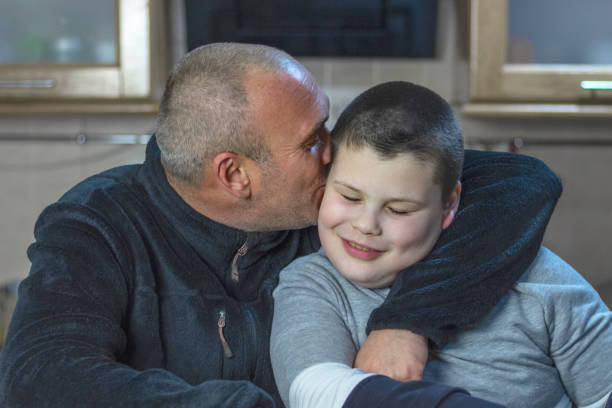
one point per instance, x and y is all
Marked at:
(89, 88)
(547, 88)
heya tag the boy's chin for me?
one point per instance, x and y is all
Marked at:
(370, 283)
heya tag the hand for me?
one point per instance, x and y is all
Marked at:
(399, 354)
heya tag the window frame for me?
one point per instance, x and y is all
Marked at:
(493, 80)
(129, 79)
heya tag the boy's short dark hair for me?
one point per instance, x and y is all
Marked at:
(402, 117)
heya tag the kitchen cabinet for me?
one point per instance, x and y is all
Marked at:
(544, 58)
(70, 56)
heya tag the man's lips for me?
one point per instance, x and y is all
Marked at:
(360, 251)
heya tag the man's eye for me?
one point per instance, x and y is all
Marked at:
(312, 144)
(349, 198)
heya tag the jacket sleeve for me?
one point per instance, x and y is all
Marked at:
(66, 339)
(506, 203)
(381, 391)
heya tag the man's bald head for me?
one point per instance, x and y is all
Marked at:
(204, 109)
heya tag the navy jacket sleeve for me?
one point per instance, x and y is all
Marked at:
(410, 394)
(506, 203)
(66, 337)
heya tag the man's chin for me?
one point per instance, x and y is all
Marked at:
(296, 221)
(306, 222)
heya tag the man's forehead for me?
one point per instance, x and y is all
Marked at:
(297, 72)
(265, 87)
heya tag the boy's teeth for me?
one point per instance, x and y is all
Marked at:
(354, 245)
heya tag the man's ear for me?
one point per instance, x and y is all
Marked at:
(451, 206)
(231, 174)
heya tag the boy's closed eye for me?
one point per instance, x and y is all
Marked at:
(393, 210)
(349, 198)
(398, 211)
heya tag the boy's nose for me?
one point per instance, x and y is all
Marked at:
(367, 223)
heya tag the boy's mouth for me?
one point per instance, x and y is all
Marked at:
(361, 247)
(360, 251)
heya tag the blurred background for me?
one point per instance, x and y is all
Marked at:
(80, 82)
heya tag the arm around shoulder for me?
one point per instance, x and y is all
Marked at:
(506, 203)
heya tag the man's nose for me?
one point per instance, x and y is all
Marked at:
(325, 147)
(366, 222)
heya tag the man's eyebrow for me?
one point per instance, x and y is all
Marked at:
(316, 129)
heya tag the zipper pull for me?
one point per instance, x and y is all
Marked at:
(241, 251)
(227, 351)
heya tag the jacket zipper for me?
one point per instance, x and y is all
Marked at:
(241, 251)
(227, 351)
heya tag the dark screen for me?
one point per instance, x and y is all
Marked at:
(393, 28)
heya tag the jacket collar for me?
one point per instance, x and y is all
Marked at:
(216, 244)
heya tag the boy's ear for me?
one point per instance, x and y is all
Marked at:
(231, 174)
(451, 206)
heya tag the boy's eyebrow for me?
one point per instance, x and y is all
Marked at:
(392, 199)
(346, 185)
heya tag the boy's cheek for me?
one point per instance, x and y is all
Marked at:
(333, 212)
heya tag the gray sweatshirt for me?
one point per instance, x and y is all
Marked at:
(549, 340)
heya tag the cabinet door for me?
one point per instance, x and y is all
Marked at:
(71, 49)
(541, 51)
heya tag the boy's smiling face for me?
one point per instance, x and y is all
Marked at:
(380, 215)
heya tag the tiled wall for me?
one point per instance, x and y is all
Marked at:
(343, 79)
(33, 174)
